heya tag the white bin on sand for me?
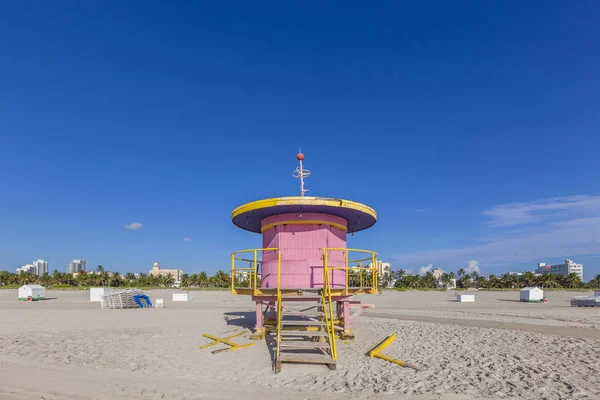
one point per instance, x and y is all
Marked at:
(182, 296)
(465, 298)
(97, 292)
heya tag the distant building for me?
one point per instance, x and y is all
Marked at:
(383, 269)
(76, 266)
(28, 269)
(437, 274)
(569, 267)
(515, 273)
(39, 268)
(157, 271)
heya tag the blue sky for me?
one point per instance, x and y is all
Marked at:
(471, 127)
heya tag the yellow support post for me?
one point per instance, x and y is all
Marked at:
(255, 271)
(327, 305)
(377, 350)
(347, 273)
(232, 273)
(360, 274)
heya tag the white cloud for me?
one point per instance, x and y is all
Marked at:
(134, 226)
(557, 227)
(425, 269)
(472, 266)
(542, 210)
(187, 239)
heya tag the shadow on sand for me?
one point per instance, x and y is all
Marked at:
(247, 319)
(243, 319)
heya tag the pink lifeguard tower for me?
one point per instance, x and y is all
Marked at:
(304, 258)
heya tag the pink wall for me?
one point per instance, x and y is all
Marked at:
(301, 254)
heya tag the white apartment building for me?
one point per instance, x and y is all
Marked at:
(39, 268)
(28, 269)
(383, 269)
(76, 266)
(569, 267)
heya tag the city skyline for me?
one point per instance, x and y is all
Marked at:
(470, 267)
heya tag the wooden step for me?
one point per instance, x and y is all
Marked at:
(311, 313)
(311, 358)
(297, 299)
(303, 333)
(302, 323)
(302, 344)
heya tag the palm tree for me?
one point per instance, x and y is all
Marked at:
(460, 273)
(104, 278)
(445, 279)
(202, 279)
(428, 280)
(167, 280)
(100, 268)
(221, 279)
(115, 280)
(82, 278)
(400, 273)
(481, 282)
(4, 277)
(595, 282)
(528, 278)
(572, 281)
(185, 280)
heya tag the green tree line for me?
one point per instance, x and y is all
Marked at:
(474, 280)
(221, 279)
(100, 277)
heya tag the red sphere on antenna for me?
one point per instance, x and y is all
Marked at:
(300, 156)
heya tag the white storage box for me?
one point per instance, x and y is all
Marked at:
(465, 298)
(97, 292)
(182, 296)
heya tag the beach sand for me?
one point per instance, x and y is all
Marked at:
(497, 347)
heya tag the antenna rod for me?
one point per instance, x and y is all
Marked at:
(301, 173)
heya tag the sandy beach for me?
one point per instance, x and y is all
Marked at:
(497, 347)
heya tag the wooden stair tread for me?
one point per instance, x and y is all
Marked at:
(302, 313)
(306, 358)
(303, 344)
(297, 299)
(303, 333)
(302, 323)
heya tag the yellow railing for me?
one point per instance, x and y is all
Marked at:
(251, 272)
(355, 268)
(361, 270)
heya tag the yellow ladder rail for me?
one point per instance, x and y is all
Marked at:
(328, 308)
(279, 300)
